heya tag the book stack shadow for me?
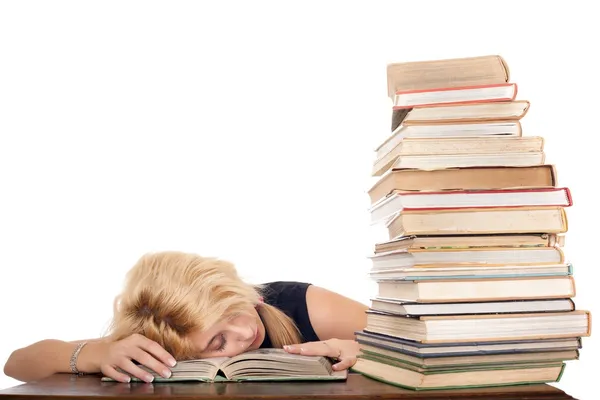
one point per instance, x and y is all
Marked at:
(474, 285)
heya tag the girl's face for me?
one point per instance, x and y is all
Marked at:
(230, 337)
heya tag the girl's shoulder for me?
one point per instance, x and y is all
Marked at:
(290, 297)
(284, 294)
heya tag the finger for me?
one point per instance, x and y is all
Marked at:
(292, 348)
(110, 372)
(345, 363)
(132, 369)
(308, 348)
(319, 349)
(147, 360)
(155, 349)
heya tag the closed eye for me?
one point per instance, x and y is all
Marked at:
(223, 342)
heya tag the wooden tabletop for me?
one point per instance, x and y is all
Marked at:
(65, 386)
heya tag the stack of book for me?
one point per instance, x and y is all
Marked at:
(474, 288)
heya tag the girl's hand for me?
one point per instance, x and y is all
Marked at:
(344, 351)
(108, 356)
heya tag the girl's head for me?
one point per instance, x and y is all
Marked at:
(196, 307)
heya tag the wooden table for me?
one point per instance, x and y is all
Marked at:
(65, 386)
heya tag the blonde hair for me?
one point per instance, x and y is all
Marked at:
(167, 295)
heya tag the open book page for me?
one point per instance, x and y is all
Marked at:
(201, 369)
(258, 365)
(277, 364)
(204, 370)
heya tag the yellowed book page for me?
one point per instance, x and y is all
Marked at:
(468, 221)
(455, 72)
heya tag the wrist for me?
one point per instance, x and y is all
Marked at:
(88, 360)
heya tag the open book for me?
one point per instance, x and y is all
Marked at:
(257, 365)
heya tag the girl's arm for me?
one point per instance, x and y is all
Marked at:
(334, 316)
(49, 357)
(335, 319)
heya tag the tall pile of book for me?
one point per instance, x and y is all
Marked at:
(474, 288)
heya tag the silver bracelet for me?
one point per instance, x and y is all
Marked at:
(73, 361)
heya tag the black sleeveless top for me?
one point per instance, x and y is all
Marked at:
(290, 297)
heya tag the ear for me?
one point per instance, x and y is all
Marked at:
(261, 300)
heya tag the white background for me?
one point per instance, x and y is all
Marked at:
(245, 131)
